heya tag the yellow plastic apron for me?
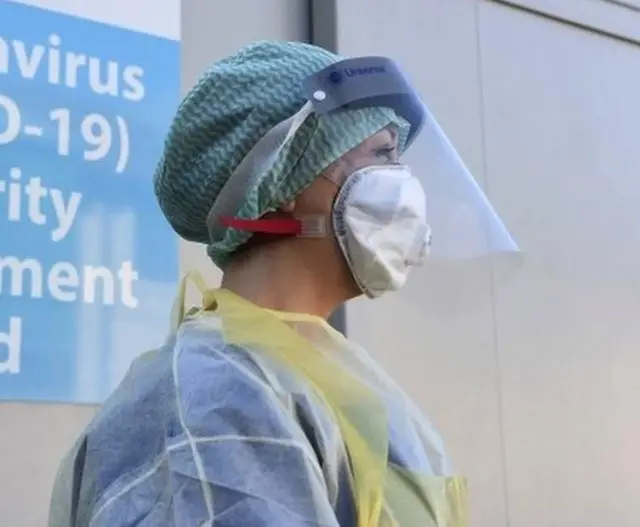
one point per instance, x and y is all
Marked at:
(385, 495)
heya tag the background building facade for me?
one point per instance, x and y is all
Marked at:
(535, 384)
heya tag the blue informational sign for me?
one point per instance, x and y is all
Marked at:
(88, 265)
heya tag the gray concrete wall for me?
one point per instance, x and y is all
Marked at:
(533, 386)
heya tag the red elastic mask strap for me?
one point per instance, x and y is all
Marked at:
(290, 227)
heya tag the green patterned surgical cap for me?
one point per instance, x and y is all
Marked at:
(232, 106)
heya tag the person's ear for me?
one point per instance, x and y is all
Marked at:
(288, 207)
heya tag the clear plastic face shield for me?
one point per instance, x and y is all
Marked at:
(390, 215)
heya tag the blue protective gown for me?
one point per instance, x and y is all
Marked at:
(202, 432)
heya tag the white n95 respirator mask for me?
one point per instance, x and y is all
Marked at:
(379, 220)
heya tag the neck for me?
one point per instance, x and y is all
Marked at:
(284, 278)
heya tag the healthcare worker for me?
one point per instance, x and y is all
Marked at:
(285, 161)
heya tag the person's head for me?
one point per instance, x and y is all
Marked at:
(216, 138)
(283, 161)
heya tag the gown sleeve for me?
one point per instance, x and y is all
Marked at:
(241, 457)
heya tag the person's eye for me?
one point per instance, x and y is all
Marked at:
(388, 153)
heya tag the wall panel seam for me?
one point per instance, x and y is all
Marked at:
(572, 17)
(492, 281)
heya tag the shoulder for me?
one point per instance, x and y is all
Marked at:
(225, 389)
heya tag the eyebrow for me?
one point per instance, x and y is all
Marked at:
(386, 148)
